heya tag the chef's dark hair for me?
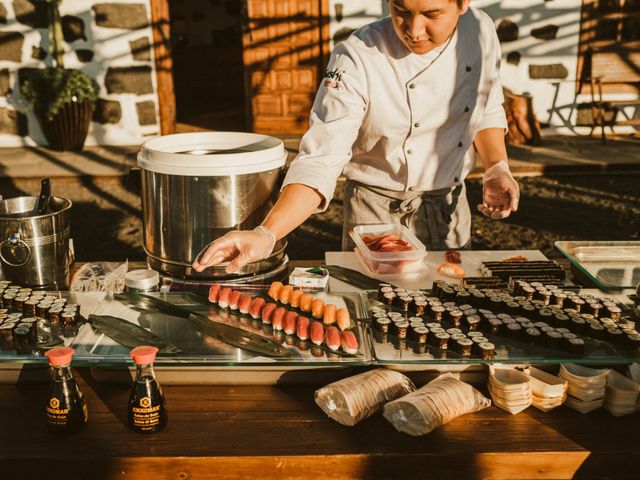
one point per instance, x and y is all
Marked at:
(459, 2)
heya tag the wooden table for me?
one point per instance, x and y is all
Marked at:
(278, 432)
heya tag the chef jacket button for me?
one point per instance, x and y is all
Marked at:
(409, 152)
(412, 85)
(417, 124)
(456, 179)
(460, 144)
(468, 69)
(466, 109)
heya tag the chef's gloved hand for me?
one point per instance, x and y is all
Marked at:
(237, 248)
(500, 192)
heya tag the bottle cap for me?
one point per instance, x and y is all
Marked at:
(142, 279)
(144, 355)
(60, 356)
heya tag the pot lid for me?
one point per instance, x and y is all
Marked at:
(212, 154)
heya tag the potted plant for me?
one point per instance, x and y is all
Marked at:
(61, 98)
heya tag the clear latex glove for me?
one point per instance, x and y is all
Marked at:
(500, 192)
(237, 248)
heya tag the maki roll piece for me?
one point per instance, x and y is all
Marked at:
(382, 325)
(463, 346)
(487, 350)
(576, 346)
(442, 340)
(420, 334)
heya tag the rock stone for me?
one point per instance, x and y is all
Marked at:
(550, 71)
(146, 112)
(107, 111)
(129, 80)
(128, 16)
(548, 32)
(38, 53)
(73, 29)
(12, 122)
(84, 55)
(141, 49)
(31, 12)
(507, 31)
(3, 14)
(11, 46)
(513, 58)
(5, 86)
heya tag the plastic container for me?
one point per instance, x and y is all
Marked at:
(390, 263)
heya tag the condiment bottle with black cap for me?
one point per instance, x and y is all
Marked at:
(147, 409)
(66, 409)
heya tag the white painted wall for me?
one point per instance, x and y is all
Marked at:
(111, 48)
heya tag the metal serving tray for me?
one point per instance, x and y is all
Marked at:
(609, 265)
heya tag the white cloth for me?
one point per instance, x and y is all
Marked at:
(401, 121)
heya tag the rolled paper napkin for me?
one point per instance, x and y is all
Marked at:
(353, 399)
(435, 404)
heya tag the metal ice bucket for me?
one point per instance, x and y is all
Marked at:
(34, 249)
(198, 186)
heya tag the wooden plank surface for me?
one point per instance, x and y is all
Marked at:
(279, 432)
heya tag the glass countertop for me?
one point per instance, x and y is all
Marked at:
(388, 349)
(609, 265)
(197, 344)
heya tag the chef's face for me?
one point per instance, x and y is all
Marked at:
(423, 25)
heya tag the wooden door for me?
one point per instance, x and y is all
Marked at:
(285, 50)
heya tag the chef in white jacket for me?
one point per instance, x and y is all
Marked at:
(406, 105)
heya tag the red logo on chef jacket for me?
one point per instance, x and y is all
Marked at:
(334, 79)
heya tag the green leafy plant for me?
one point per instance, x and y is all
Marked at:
(48, 89)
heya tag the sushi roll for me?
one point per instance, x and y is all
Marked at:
(317, 308)
(294, 299)
(463, 346)
(284, 295)
(382, 325)
(267, 313)
(332, 338)
(234, 298)
(420, 308)
(256, 307)
(329, 315)
(277, 320)
(420, 334)
(437, 312)
(305, 302)
(214, 291)
(404, 302)
(289, 323)
(487, 350)
(576, 346)
(302, 328)
(244, 303)
(274, 290)
(442, 340)
(400, 329)
(316, 333)
(343, 319)
(349, 342)
(223, 297)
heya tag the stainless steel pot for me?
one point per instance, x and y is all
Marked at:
(34, 249)
(198, 186)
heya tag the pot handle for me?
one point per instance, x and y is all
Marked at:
(15, 243)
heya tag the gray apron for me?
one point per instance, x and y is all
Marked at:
(440, 219)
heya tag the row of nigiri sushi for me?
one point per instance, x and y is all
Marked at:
(297, 298)
(287, 320)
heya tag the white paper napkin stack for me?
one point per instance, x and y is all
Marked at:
(586, 386)
(622, 395)
(510, 388)
(548, 391)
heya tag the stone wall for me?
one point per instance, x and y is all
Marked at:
(108, 40)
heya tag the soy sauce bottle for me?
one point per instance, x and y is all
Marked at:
(66, 409)
(147, 409)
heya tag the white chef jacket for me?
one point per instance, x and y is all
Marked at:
(393, 119)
